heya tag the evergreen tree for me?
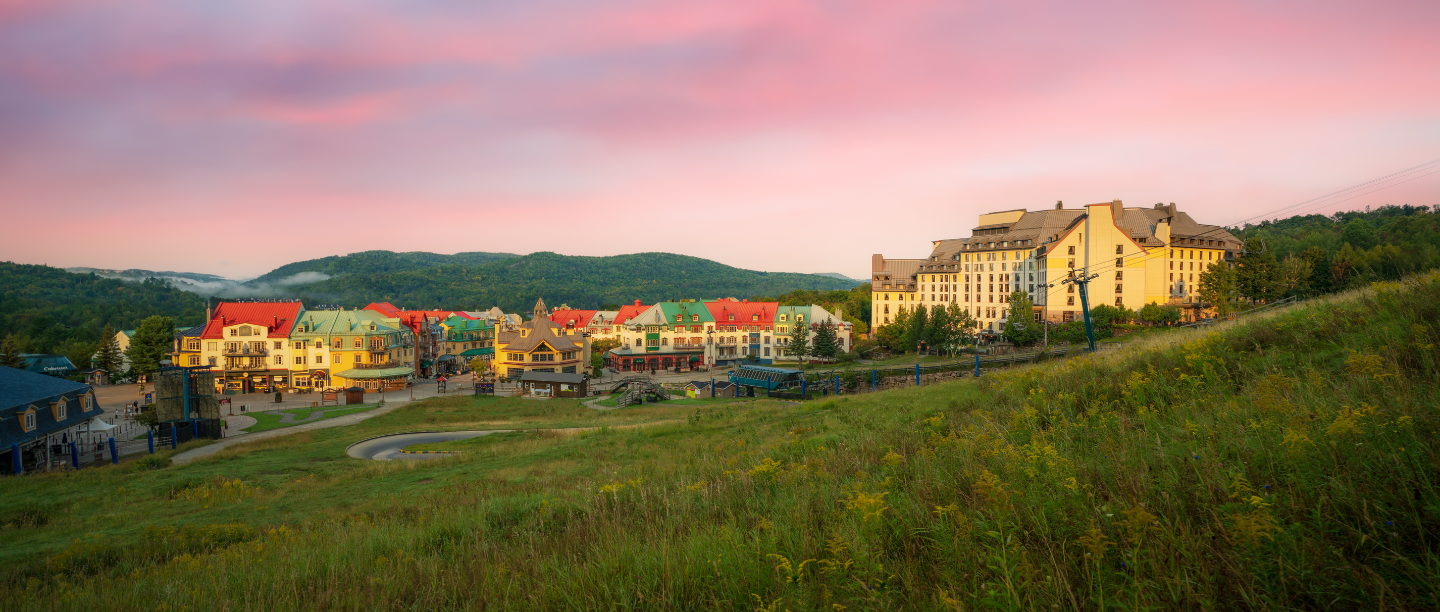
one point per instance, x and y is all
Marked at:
(108, 358)
(915, 334)
(799, 345)
(10, 354)
(1217, 286)
(1021, 328)
(937, 329)
(1256, 276)
(1319, 270)
(151, 341)
(824, 344)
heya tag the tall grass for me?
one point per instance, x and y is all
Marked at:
(1288, 462)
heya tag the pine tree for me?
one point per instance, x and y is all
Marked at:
(1217, 286)
(108, 358)
(824, 344)
(915, 334)
(799, 345)
(10, 353)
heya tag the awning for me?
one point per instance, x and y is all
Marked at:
(447, 358)
(369, 374)
(425, 364)
(639, 360)
(479, 351)
(694, 358)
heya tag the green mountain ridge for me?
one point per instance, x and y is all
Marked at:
(515, 282)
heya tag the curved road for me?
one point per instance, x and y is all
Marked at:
(385, 448)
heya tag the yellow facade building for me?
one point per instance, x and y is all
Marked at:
(1139, 256)
(540, 345)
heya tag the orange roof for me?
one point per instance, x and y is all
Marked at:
(277, 317)
(384, 308)
(571, 318)
(629, 311)
(743, 311)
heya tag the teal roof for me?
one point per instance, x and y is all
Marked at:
(789, 313)
(669, 310)
(314, 323)
(490, 350)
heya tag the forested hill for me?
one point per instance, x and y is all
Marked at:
(1313, 254)
(581, 282)
(49, 310)
(371, 262)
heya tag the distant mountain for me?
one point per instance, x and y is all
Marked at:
(373, 262)
(514, 282)
(140, 275)
(841, 277)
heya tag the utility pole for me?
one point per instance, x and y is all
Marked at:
(1083, 281)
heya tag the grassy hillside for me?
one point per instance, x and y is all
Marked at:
(582, 282)
(1286, 462)
(49, 310)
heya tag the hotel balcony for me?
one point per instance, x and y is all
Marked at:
(244, 351)
(246, 367)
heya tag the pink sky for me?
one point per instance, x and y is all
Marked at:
(771, 135)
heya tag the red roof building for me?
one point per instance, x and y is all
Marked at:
(743, 314)
(572, 319)
(276, 317)
(629, 311)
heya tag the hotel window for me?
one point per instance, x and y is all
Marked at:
(1072, 250)
(1070, 301)
(357, 343)
(194, 360)
(357, 357)
(1119, 262)
(1117, 288)
(210, 346)
(1119, 275)
(279, 345)
(1119, 249)
(234, 332)
(319, 359)
(90, 399)
(192, 344)
(29, 420)
(279, 360)
(62, 410)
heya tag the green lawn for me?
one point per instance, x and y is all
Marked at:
(265, 421)
(1285, 462)
(613, 400)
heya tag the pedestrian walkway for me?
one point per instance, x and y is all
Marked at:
(340, 421)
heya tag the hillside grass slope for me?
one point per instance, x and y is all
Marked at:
(1286, 462)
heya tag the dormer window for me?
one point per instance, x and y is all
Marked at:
(30, 419)
(755, 317)
(732, 317)
(694, 318)
(62, 410)
(799, 318)
(679, 318)
(782, 318)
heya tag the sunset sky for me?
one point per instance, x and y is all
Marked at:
(234, 137)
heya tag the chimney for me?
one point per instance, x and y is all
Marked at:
(1117, 211)
(1059, 204)
(637, 302)
(207, 311)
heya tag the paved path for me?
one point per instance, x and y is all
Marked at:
(341, 421)
(236, 425)
(385, 448)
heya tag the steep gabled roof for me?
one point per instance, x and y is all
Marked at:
(743, 311)
(628, 312)
(278, 317)
(572, 318)
(385, 308)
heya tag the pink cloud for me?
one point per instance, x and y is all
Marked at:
(929, 112)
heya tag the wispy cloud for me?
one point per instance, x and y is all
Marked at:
(324, 123)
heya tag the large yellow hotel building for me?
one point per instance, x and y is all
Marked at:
(1142, 255)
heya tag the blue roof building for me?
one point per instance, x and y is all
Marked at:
(36, 409)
